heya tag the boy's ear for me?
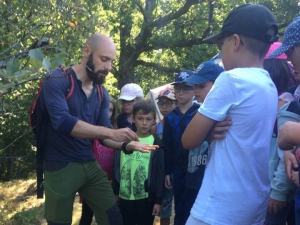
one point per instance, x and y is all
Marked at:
(237, 42)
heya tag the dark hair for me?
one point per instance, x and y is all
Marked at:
(145, 106)
(256, 46)
(280, 73)
(113, 118)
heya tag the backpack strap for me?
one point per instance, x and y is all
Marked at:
(71, 85)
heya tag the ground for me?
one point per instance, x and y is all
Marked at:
(19, 205)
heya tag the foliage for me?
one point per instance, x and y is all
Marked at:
(155, 39)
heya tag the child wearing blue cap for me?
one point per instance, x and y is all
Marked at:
(176, 156)
(203, 79)
(236, 186)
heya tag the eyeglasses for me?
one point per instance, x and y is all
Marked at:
(167, 104)
(123, 102)
(184, 90)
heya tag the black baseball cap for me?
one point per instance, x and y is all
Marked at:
(251, 20)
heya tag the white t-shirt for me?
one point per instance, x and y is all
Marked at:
(236, 186)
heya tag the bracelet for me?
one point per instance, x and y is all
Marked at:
(123, 148)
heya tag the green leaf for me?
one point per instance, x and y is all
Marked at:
(36, 64)
(24, 72)
(12, 66)
(58, 59)
(36, 54)
(46, 64)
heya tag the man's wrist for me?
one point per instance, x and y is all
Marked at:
(123, 147)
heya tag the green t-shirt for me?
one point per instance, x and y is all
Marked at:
(134, 172)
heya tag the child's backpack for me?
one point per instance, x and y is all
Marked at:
(39, 119)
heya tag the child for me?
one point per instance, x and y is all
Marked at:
(281, 206)
(130, 93)
(105, 158)
(166, 103)
(203, 79)
(139, 178)
(235, 187)
(289, 132)
(176, 156)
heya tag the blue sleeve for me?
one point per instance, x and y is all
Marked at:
(103, 118)
(54, 91)
(167, 142)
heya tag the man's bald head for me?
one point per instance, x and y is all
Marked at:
(97, 39)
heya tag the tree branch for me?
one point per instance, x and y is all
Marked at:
(210, 18)
(37, 44)
(10, 47)
(163, 21)
(157, 66)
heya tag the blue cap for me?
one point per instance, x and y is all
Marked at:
(291, 37)
(206, 71)
(182, 76)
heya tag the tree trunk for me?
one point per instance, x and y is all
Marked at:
(9, 166)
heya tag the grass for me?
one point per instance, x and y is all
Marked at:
(19, 205)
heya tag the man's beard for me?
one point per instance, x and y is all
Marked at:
(94, 76)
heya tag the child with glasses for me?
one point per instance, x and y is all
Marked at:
(130, 93)
(236, 186)
(166, 103)
(176, 156)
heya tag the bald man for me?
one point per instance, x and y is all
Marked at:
(70, 165)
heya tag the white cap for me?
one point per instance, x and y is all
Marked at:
(130, 92)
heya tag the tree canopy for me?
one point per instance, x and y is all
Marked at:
(155, 40)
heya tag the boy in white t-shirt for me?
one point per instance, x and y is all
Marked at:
(235, 187)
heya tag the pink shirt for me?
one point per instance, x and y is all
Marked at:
(105, 157)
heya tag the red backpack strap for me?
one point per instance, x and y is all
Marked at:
(71, 85)
(68, 73)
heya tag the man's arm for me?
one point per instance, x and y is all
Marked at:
(196, 131)
(131, 146)
(289, 135)
(54, 91)
(88, 131)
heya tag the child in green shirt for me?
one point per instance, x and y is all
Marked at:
(139, 177)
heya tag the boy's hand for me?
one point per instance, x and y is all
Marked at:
(156, 210)
(168, 183)
(138, 146)
(217, 132)
(295, 177)
(275, 206)
(290, 163)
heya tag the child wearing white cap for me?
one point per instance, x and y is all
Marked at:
(130, 93)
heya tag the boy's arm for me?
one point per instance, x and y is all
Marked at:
(289, 135)
(196, 131)
(281, 186)
(159, 178)
(167, 143)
